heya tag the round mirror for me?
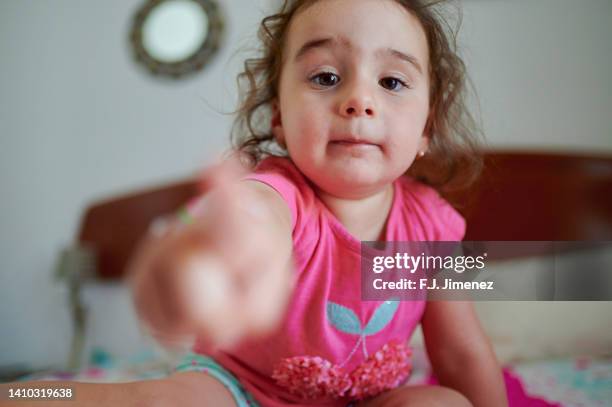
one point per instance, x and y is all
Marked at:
(176, 37)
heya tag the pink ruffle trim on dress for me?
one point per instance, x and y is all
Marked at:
(312, 378)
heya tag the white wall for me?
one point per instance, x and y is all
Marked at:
(542, 71)
(79, 121)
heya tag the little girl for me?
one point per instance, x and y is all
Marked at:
(353, 113)
(364, 110)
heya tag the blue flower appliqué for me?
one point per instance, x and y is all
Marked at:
(345, 320)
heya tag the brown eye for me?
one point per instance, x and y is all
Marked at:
(391, 83)
(326, 79)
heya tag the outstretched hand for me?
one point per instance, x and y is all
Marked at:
(224, 276)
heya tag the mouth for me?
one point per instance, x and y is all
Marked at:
(354, 148)
(352, 141)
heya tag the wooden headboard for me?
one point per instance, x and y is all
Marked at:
(112, 228)
(537, 196)
(520, 196)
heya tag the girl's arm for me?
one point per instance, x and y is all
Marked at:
(224, 276)
(461, 354)
(244, 232)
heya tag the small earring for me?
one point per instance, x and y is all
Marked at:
(421, 153)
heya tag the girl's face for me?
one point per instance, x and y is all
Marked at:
(353, 95)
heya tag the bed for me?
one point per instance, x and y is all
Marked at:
(521, 196)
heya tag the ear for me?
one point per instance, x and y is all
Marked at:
(276, 125)
(423, 144)
(427, 134)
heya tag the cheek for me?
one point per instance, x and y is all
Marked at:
(418, 107)
(408, 120)
(304, 123)
(405, 126)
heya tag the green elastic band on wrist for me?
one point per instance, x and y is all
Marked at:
(185, 217)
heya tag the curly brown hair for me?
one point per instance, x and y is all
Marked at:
(453, 161)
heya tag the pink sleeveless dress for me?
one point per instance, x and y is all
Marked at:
(331, 347)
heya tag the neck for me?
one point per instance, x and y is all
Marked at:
(364, 218)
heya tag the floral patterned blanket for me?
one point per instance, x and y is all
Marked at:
(571, 382)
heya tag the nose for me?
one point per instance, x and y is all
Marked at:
(358, 102)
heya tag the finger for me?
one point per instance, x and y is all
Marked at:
(156, 296)
(222, 174)
(224, 332)
(149, 310)
(173, 342)
(206, 288)
(214, 302)
(143, 289)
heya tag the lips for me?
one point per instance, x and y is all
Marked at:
(352, 140)
(352, 143)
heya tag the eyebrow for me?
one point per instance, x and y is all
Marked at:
(331, 42)
(411, 59)
(327, 42)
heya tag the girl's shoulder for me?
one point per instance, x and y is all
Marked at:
(285, 178)
(424, 205)
(280, 166)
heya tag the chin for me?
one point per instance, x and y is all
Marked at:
(351, 184)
